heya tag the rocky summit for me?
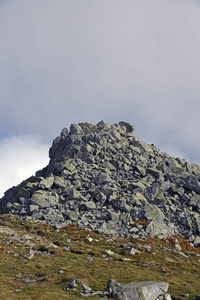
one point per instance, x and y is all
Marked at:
(104, 179)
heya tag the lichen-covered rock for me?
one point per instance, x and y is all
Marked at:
(46, 183)
(105, 179)
(159, 229)
(153, 213)
(192, 184)
(147, 290)
(43, 199)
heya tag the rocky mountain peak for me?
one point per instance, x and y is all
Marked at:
(87, 133)
(103, 178)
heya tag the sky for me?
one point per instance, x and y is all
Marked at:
(71, 61)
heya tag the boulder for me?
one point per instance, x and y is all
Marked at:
(159, 228)
(147, 290)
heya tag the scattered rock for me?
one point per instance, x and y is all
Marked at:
(89, 239)
(133, 251)
(89, 258)
(72, 285)
(111, 284)
(109, 252)
(30, 254)
(86, 289)
(185, 295)
(27, 280)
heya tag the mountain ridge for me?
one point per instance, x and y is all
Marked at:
(104, 179)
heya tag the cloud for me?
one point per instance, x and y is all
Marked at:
(20, 158)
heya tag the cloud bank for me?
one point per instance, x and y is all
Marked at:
(20, 158)
(67, 61)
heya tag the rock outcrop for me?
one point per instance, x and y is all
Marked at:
(145, 290)
(105, 179)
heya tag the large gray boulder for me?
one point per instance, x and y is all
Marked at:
(147, 290)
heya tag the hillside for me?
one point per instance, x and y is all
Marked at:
(39, 262)
(104, 179)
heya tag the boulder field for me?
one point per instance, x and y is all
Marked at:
(104, 179)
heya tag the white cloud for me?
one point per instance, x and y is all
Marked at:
(20, 158)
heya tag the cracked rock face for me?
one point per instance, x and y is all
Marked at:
(103, 178)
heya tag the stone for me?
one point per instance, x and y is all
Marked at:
(185, 295)
(28, 280)
(113, 216)
(167, 297)
(30, 254)
(86, 289)
(51, 245)
(60, 181)
(43, 199)
(26, 237)
(194, 201)
(153, 213)
(89, 258)
(33, 208)
(133, 251)
(46, 183)
(75, 129)
(89, 205)
(103, 125)
(192, 184)
(137, 185)
(109, 252)
(102, 228)
(72, 285)
(100, 197)
(159, 228)
(111, 284)
(147, 290)
(74, 194)
(73, 216)
(178, 247)
(89, 239)
(196, 241)
(129, 128)
(102, 177)
(154, 172)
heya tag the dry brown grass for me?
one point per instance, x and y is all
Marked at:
(142, 222)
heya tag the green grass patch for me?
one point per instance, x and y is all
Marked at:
(65, 254)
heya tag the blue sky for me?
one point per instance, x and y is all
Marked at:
(71, 61)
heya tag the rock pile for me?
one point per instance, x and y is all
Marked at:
(105, 179)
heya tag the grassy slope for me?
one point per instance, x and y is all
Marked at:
(182, 273)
